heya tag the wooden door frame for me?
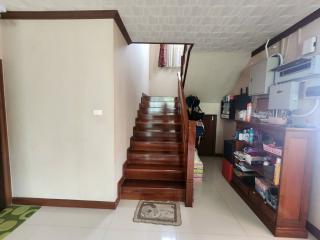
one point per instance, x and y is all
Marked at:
(4, 144)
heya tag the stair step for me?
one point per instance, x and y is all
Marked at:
(162, 139)
(158, 126)
(156, 130)
(159, 111)
(160, 121)
(159, 104)
(142, 157)
(173, 136)
(167, 117)
(153, 190)
(154, 172)
(159, 99)
(155, 146)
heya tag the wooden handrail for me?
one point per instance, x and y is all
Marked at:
(186, 59)
(188, 131)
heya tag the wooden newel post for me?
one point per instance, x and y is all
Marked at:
(191, 143)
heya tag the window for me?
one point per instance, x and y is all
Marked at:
(170, 55)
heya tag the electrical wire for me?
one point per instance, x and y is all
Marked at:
(266, 48)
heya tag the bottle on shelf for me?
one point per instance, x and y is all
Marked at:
(249, 112)
(277, 169)
(251, 135)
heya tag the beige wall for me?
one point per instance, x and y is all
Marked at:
(56, 73)
(58, 149)
(212, 75)
(131, 79)
(292, 49)
(163, 81)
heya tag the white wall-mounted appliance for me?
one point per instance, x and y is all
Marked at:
(284, 96)
(305, 67)
(262, 75)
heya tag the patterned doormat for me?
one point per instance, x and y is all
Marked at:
(156, 212)
(12, 217)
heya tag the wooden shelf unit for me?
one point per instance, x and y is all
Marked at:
(289, 219)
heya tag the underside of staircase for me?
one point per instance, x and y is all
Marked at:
(154, 169)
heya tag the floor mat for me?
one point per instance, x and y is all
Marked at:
(12, 217)
(157, 212)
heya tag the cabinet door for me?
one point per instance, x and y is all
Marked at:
(208, 141)
(295, 179)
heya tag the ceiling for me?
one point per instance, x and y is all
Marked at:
(213, 25)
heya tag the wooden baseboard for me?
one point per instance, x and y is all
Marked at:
(69, 203)
(313, 230)
(64, 203)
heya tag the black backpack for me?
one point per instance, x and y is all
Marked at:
(194, 110)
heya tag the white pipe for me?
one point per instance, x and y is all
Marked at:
(310, 112)
(266, 48)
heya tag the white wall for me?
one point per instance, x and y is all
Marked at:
(163, 81)
(131, 80)
(212, 75)
(56, 73)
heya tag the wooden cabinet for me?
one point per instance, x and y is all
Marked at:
(289, 219)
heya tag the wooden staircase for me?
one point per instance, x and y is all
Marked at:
(155, 169)
(160, 159)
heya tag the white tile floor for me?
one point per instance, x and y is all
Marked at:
(218, 214)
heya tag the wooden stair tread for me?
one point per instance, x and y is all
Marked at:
(163, 153)
(153, 167)
(156, 130)
(160, 99)
(153, 184)
(157, 139)
(158, 113)
(148, 142)
(158, 122)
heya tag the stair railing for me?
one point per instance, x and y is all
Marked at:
(185, 62)
(188, 131)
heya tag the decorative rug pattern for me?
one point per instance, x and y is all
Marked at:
(158, 212)
(12, 217)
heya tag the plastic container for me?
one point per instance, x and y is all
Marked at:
(227, 170)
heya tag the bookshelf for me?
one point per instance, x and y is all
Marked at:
(289, 218)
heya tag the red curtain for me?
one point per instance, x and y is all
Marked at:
(162, 55)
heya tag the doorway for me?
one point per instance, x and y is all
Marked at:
(208, 141)
(5, 181)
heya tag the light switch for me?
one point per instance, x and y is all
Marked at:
(97, 112)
